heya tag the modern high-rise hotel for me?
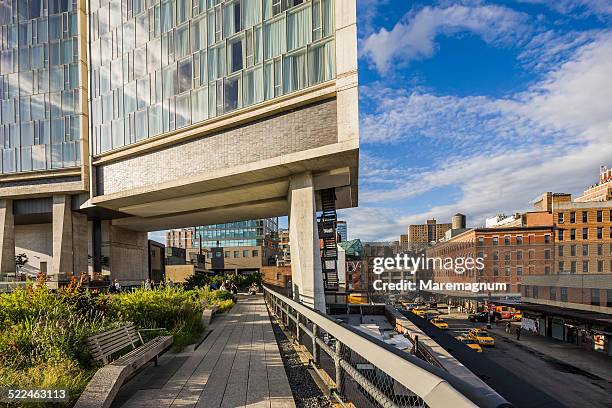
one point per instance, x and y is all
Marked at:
(123, 117)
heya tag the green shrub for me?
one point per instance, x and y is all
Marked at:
(48, 338)
(24, 304)
(64, 374)
(202, 279)
(159, 308)
(43, 333)
(175, 310)
(225, 305)
(210, 297)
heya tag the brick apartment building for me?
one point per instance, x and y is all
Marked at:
(180, 238)
(429, 232)
(509, 254)
(574, 302)
(582, 273)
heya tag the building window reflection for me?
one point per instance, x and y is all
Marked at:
(186, 61)
(39, 78)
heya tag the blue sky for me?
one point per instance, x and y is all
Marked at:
(478, 107)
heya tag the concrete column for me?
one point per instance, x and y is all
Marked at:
(306, 271)
(63, 262)
(79, 243)
(7, 238)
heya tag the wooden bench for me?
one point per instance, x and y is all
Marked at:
(105, 384)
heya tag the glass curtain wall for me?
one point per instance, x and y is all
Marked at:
(263, 232)
(39, 76)
(159, 65)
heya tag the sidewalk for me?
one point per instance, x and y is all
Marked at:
(591, 362)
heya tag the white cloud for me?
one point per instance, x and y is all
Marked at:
(413, 37)
(367, 11)
(551, 48)
(499, 153)
(372, 223)
(577, 8)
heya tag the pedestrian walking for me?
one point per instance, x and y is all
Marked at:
(508, 327)
(518, 333)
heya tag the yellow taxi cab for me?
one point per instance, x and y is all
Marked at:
(471, 343)
(419, 312)
(360, 299)
(482, 337)
(517, 317)
(439, 323)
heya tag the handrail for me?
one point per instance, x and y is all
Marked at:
(432, 384)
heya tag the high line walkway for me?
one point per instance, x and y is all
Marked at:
(237, 365)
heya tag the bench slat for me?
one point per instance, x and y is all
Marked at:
(103, 345)
(122, 333)
(105, 384)
(116, 341)
(142, 350)
(102, 335)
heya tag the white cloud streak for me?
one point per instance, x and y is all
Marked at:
(577, 8)
(499, 153)
(413, 37)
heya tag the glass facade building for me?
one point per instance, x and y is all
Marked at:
(342, 230)
(263, 232)
(39, 85)
(157, 66)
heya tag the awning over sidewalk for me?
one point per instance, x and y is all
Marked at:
(575, 314)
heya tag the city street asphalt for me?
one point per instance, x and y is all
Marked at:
(522, 376)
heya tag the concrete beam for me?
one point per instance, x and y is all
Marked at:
(240, 212)
(307, 275)
(224, 197)
(7, 238)
(63, 262)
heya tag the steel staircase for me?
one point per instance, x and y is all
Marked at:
(327, 233)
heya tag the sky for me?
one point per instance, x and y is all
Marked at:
(477, 107)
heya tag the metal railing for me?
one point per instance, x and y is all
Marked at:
(367, 372)
(419, 349)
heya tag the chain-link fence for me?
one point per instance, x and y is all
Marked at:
(367, 374)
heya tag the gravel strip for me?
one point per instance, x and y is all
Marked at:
(305, 391)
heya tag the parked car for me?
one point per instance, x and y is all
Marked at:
(471, 343)
(483, 317)
(482, 337)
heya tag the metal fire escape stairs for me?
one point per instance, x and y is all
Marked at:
(327, 233)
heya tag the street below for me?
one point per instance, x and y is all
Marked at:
(568, 384)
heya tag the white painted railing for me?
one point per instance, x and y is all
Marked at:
(370, 373)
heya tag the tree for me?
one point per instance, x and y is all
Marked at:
(21, 260)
